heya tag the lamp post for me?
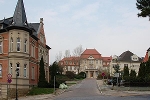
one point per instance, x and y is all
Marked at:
(17, 74)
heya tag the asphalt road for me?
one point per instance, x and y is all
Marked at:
(87, 90)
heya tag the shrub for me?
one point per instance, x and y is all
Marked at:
(70, 74)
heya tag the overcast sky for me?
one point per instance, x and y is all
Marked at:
(109, 26)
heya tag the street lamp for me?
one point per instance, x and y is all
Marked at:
(17, 74)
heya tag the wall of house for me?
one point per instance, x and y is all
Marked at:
(4, 57)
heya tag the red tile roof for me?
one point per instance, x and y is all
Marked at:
(146, 57)
(70, 58)
(91, 52)
(107, 59)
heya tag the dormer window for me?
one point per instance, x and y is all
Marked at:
(134, 58)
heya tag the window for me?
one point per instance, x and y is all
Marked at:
(25, 70)
(125, 65)
(25, 45)
(33, 73)
(10, 71)
(96, 61)
(32, 50)
(1, 47)
(0, 70)
(18, 67)
(11, 44)
(1, 26)
(18, 44)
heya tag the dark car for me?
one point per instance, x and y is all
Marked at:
(109, 81)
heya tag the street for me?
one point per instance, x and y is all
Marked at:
(88, 90)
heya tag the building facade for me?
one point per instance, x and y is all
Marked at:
(91, 62)
(126, 59)
(22, 45)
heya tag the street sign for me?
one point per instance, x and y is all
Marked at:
(9, 76)
(116, 75)
(103, 74)
(9, 80)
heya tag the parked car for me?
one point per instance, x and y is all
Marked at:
(109, 81)
(122, 82)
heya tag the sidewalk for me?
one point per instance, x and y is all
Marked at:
(41, 97)
(45, 96)
(117, 91)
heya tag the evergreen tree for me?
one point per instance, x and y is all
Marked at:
(144, 7)
(54, 68)
(126, 73)
(142, 70)
(133, 74)
(42, 81)
(147, 68)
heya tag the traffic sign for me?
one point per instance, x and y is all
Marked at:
(103, 74)
(9, 76)
(9, 80)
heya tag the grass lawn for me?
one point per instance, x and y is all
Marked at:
(38, 91)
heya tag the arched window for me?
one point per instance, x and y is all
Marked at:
(25, 70)
(11, 67)
(25, 45)
(11, 44)
(18, 44)
(0, 70)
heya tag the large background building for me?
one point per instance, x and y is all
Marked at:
(91, 62)
(22, 45)
(126, 59)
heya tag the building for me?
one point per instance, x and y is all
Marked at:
(91, 62)
(147, 56)
(70, 64)
(127, 58)
(22, 45)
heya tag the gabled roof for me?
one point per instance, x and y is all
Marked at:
(19, 17)
(126, 56)
(70, 58)
(91, 52)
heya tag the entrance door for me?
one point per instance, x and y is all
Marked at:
(91, 74)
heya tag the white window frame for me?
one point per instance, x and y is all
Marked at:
(33, 73)
(18, 44)
(25, 71)
(1, 46)
(11, 68)
(11, 44)
(25, 45)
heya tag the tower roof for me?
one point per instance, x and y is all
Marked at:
(19, 17)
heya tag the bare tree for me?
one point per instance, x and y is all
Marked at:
(67, 53)
(59, 56)
(77, 52)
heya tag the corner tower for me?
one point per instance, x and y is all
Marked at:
(19, 17)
